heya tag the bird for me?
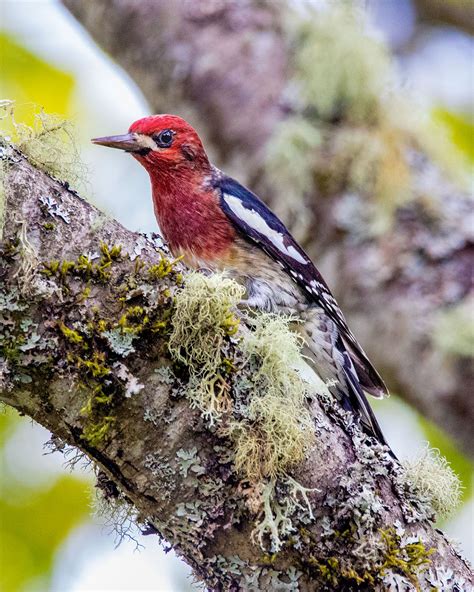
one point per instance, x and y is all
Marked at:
(213, 222)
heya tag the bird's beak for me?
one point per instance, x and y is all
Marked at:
(127, 142)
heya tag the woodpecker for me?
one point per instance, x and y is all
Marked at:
(214, 222)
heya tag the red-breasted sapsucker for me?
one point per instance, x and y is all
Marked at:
(216, 223)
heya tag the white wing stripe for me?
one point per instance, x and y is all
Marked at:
(259, 224)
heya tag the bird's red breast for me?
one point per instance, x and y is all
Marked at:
(191, 219)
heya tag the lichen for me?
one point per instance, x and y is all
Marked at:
(349, 70)
(163, 475)
(268, 420)
(280, 504)
(28, 260)
(433, 481)
(50, 144)
(204, 316)
(117, 515)
(189, 461)
(276, 428)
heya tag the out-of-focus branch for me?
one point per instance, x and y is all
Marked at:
(86, 311)
(456, 13)
(227, 67)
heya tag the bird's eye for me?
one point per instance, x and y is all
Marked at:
(164, 139)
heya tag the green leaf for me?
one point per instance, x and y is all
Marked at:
(32, 530)
(460, 128)
(30, 81)
(8, 423)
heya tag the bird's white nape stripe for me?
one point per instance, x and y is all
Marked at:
(253, 219)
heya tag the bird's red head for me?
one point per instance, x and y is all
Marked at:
(186, 206)
(163, 144)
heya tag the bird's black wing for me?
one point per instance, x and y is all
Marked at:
(254, 221)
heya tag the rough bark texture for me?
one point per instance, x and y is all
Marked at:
(229, 67)
(69, 299)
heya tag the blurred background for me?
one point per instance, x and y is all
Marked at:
(50, 538)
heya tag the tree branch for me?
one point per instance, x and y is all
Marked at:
(229, 65)
(85, 351)
(456, 13)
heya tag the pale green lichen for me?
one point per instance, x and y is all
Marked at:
(262, 409)
(454, 329)
(433, 480)
(49, 144)
(278, 427)
(204, 316)
(273, 428)
(189, 461)
(349, 70)
(162, 473)
(119, 341)
(275, 518)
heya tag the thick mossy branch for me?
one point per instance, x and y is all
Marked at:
(349, 108)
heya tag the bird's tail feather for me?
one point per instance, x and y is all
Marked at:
(359, 402)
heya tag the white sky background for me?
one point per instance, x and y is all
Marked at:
(109, 101)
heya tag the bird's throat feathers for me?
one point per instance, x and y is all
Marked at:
(190, 218)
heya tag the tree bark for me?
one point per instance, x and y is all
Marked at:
(69, 298)
(226, 66)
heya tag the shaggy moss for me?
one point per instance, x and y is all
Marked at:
(49, 144)
(277, 427)
(202, 320)
(433, 480)
(267, 419)
(341, 71)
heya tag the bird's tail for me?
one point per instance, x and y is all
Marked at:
(360, 404)
(331, 360)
